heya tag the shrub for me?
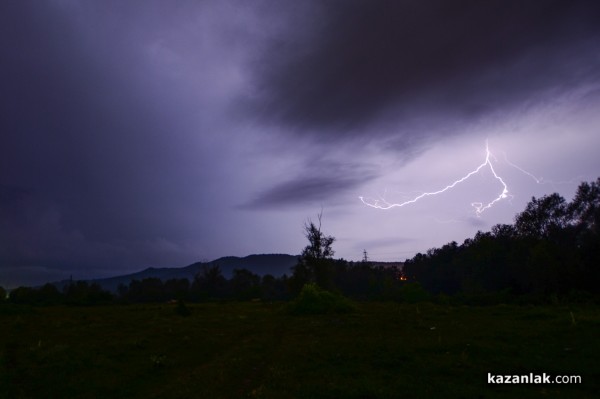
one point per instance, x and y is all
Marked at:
(315, 300)
(413, 293)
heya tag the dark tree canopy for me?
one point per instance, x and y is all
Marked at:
(315, 264)
(543, 217)
(319, 244)
(552, 248)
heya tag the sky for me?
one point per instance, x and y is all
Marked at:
(160, 133)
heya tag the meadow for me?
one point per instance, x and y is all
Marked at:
(258, 350)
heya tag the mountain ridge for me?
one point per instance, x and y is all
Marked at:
(261, 264)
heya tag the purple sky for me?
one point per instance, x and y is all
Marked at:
(160, 133)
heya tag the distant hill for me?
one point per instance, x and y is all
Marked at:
(274, 264)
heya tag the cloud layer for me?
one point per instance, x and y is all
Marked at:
(345, 65)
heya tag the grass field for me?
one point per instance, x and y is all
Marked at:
(237, 350)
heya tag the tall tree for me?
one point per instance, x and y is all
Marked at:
(585, 207)
(245, 284)
(543, 217)
(209, 283)
(315, 264)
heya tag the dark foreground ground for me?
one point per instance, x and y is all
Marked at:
(236, 350)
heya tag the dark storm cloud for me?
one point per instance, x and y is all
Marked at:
(344, 64)
(301, 191)
(318, 183)
(82, 126)
(95, 160)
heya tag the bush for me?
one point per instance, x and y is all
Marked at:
(315, 300)
(413, 293)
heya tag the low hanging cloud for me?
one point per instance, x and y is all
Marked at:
(302, 191)
(318, 184)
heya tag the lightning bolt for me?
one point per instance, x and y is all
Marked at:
(479, 206)
(537, 180)
(541, 180)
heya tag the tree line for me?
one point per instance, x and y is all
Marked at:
(552, 250)
(355, 279)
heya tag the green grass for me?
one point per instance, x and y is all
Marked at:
(237, 350)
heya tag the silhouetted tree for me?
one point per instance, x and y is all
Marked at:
(148, 290)
(274, 288)
(543, 217)
(48, 294)
(177, 288)
(585, 213)
(315, 264)
(123, 292)
(552, 249)
(353, 279)
(23, 295)
(209, 283)
(245, 284)
(585, 207)
(83, 293)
